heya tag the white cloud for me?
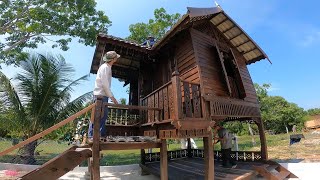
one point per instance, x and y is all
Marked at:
(272, 89)
(310, 39)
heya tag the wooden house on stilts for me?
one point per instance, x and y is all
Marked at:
(191, 79)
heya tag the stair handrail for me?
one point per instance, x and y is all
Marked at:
(132, 107)
(49, 130)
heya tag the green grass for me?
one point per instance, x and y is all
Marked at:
(278, 148)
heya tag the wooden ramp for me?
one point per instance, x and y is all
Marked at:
(59, 165)
(193, 169)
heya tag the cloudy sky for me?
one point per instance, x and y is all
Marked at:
(288, 31)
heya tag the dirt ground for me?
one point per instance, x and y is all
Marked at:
(307, 150)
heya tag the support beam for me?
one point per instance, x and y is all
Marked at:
(163, 160)
(96, 140)
(264, 152)
(189, 148)
(176, 90)
(208, 157)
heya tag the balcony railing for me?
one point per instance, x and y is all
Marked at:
(177, 99)
(160, 98)
(245, 156)
(232, 108)
(122, 116)
(191, 99)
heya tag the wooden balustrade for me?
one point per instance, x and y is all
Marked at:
(177, 99)
(229, 107)
(183, 153)
(160, 98)
(122, 116)
(191, 99)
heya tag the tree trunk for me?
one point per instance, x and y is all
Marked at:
(26, 153)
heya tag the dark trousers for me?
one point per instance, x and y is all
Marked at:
(103, 120)
(227, 161)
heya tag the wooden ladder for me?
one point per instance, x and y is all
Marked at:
(274, 171)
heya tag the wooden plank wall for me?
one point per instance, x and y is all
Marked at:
(211, 72)
(246, 78)
(184, 55)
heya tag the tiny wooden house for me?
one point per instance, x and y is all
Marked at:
(196, 74)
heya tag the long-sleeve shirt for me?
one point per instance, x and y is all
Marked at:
(103, 81)
(226, 137)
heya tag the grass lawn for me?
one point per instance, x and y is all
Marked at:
(278, 149)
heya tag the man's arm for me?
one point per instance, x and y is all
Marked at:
(114, 100)
(106, 86)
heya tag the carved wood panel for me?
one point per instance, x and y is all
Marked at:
(196, 100)
(161, 104)
(165, 103)
(171, 106)
(187, 100)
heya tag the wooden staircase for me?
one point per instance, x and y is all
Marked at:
(59, 165)
(72, 157)
(274, 171)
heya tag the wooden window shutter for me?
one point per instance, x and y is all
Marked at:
(223, 67)
(238, 77)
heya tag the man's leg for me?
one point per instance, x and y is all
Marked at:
(229, 159)
(224, 157)
(103, 131)
(90, 130)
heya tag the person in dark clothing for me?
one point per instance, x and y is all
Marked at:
(225, 138)
(149, 42)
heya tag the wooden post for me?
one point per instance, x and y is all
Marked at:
(189, 148)
(208, 157)
(264, 153)
(176, 90)
(163, 160)
(96, 140)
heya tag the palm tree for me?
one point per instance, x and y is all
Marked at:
(39, 98)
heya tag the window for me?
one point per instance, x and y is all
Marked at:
(231, 73)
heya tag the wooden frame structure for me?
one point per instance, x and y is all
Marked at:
(191, 79)
(196, 75)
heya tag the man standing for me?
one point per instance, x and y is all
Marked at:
(225, 138)
(102, 88)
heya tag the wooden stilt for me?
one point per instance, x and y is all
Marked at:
(96, 141)
(163, 160)
(208, 157)
(264, 153)
(189, 148)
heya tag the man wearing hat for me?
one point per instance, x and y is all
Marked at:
(102, 87)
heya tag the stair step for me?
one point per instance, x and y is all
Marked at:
(272, 167)
(284, 174)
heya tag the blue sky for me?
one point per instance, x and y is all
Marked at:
(288, 31)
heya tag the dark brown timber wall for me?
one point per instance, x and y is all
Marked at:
(186, 61)
(210, 68)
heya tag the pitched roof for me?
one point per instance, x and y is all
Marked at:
(228, 27)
